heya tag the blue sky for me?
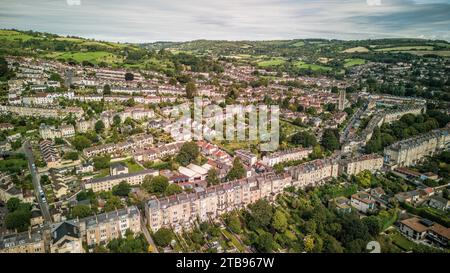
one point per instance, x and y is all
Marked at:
(181, 20)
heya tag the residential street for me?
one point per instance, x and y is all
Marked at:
(26, 147)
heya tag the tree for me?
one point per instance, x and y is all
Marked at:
(81, 142)
(234, 224)
(191, 90)
(308, 243)
(279, 221)
(129, 76)
(264, 243)
(261, 212)
(163, 237)
(106, 89)
(317, 152)
(331, 245)
(364, 178)
(99, 127)
(113, 203)
(116, 121)
(84, 195)
(156, 185)
(123, 189)
(3, 67)
(237, 171)
(173, 189)
(212, 177)
(128, 244)
(55, 77)
(81, 211)
(330, 139)
(101, 162)
(373, 224)
(352, 228)
(445, 193)
(72, 155)
(304, 138)
(19, 219)
(13, 204)
(189, 151)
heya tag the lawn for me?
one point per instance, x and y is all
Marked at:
(313, 67)
(234, 240)
(271, 62)
(102, 173)
(353, 62)
(403, 243)
(160, 165)
(133, 167)
(230, 147)
(288, 128)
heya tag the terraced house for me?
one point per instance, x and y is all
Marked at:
(410, 151)
(182, 210)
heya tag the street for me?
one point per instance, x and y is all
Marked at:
(26, 147)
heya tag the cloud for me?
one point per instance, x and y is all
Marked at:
(180, 20)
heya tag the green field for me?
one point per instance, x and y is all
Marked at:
(353, 62)
(355, 49)
(152, 63)
(14, 35)
(94, 57)
(313, 67)
(405, 48)
(299, 44)
(442, 53)
(271, 62)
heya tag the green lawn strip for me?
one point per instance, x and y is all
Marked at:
(234, 240)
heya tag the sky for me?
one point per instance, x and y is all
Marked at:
(184, 20)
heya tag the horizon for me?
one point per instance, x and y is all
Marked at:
(250, 20)
(221, 40)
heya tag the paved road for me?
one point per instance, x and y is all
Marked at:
(26, 147)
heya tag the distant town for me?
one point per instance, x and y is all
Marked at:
(92, 162)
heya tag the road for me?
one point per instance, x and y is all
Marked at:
(147, 234)
(26, 147)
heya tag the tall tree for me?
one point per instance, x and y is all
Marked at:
(191, 90)
(330, 139)
(237, 171)
(99, 127)
(212, 177)
(189, 151)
